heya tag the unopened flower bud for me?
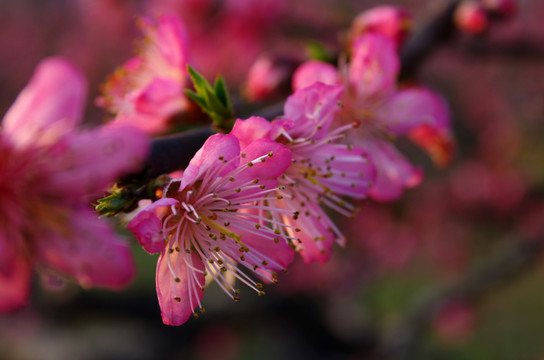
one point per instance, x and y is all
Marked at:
(391, 21)
(471, 17)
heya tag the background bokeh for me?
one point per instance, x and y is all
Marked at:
(454, 268)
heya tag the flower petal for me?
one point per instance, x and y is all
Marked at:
(409, 108)
(312, 109)
(179, 294)
(15, 285)
(88, 162)
(374, 66)
(314, 71)
(147, 226)
(161, 97)
(276, 158)
(217, 149)
(250, 130)
(315, 241)
(48, 107)
(89, 251)
(394, 172)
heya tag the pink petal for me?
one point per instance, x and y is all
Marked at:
(50, 105)
(216, 149)
(162, 97)
(353, 169)
(269, 169)
(312, 109)
(178, 298)
(391, 21)
(280, 254)
(15, 285)
(394, 172)
(149, 124)
(315, 240)
(89, 251)
(169, 43)
(409, 108)
(374, 67)
(250, 130)
(147, 226)
(277, 253)
(88, 162)
(314, 71)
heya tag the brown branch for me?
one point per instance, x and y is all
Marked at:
(437, 30)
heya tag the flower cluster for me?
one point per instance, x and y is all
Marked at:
(248, 198)
(247, 201)
(385, 111)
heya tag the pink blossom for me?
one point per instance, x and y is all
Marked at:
(48, 170)
(391, 21)
(313, 71)
(322, 169)
(214, 218)
(148, 89)
(385, 112)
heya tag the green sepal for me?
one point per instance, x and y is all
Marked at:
(213, 100)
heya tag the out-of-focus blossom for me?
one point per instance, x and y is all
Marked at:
(227, 36)
(148, 89)
(47, 172)
(391, 21)
(385, 112)
(471, 17)
(323, 170)
(214, 218)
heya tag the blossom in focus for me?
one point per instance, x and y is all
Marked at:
(385, 112)
(214, 218)
(149, 88)
(47, 173)
(391, 21)
(322, 170)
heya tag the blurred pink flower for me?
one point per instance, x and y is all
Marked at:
(322, 170)
(391, 21)
(48, 171)
(214, 218)
(385, 112)
(148, 89)
(227, 36)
